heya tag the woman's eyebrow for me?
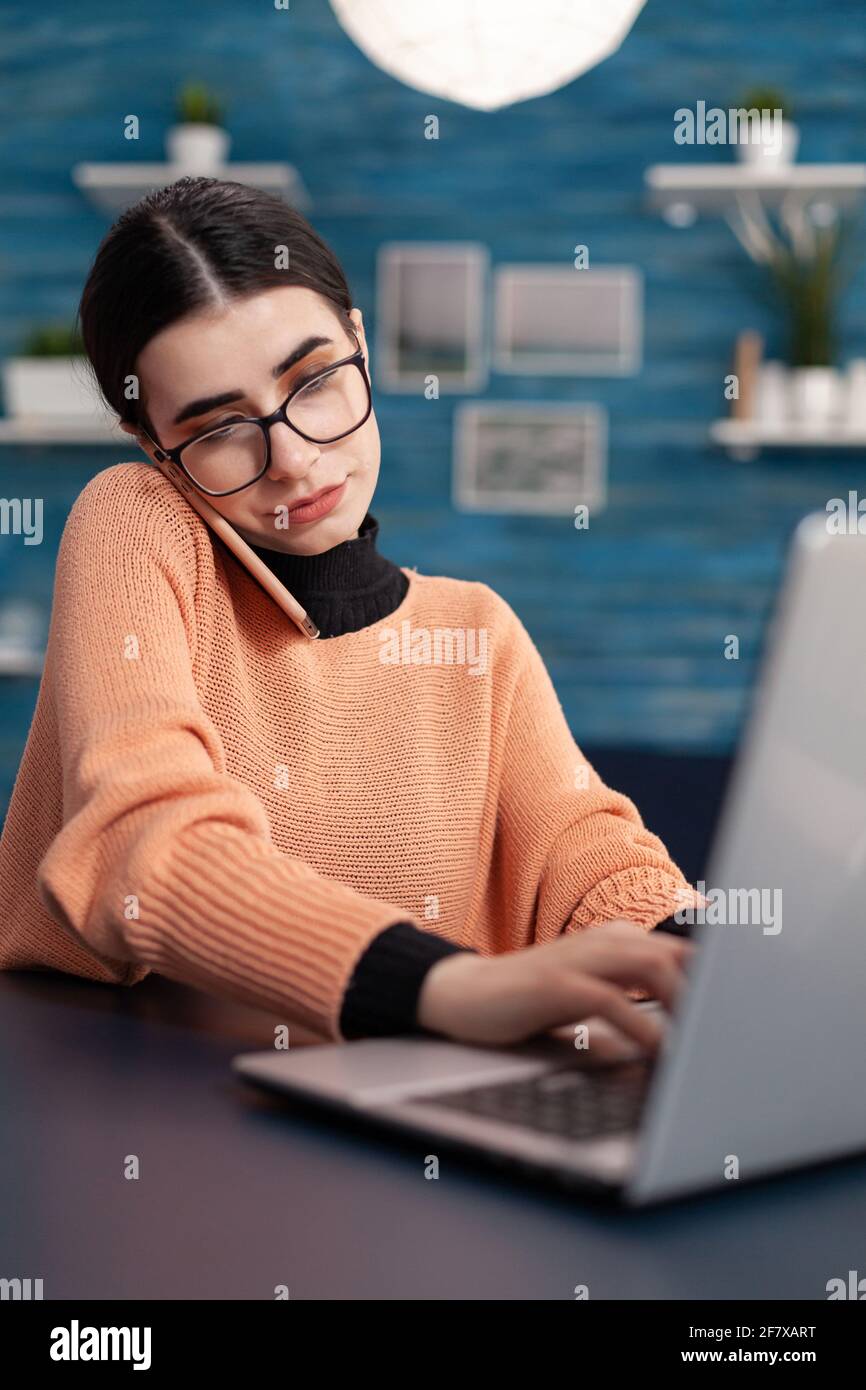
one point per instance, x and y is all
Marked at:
(206, 403)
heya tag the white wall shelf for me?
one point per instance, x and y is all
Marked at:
(683, 191)
(744, 439)
(114, 187)
(61, 429)
(20, 661)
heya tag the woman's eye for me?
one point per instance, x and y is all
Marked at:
(305, 385)
(223, 430)
(317, 385)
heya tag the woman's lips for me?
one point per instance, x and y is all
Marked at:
(311, 511)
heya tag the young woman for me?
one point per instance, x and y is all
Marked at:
(358, 832)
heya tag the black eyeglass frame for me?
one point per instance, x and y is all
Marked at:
(264, 422)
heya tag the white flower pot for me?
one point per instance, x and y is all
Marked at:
(49, 386)
(197, 147)
(777, 153)
(772, 391)
(816, 394)
(855, 393)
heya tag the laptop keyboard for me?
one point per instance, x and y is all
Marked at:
(571, 1103)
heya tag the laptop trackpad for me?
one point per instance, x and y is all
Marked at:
(375, 1071)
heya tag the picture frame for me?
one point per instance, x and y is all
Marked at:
(431, 316)
(552, 319)
(529, 457)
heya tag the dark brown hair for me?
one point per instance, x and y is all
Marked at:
(191, 245)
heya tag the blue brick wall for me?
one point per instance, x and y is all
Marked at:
(631, 615)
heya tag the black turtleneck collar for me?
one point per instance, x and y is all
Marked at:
(345, 588)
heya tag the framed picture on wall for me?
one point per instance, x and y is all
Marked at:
(551, 319)
(544, 458)
(430, 299)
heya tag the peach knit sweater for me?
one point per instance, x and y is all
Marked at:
(208, 794)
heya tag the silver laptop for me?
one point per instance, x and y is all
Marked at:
(763, 1065)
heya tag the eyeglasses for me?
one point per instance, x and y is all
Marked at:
(236, 453)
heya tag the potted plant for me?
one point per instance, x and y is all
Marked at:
(777, 136)
(808, 255)
(807, 288)
(50, 376)
(198, 143)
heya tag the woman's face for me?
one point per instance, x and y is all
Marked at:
(236, 352)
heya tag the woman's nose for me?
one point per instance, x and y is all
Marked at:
(291, 456)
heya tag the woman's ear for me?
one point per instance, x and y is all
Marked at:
(358, 321)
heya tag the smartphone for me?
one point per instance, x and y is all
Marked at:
(238, 546)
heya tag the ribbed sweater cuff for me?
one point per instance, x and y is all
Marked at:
(382, 996)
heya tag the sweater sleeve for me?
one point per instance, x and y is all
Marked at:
(163, 858)
(568, 843)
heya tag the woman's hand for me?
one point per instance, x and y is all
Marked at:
(509, 998)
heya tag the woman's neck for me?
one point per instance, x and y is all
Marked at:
(345, 588)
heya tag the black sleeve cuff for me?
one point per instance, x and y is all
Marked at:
(671, 925)
(382, 995)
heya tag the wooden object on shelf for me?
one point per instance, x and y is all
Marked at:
(748, 355)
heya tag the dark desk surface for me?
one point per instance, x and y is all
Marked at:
(238, 1193)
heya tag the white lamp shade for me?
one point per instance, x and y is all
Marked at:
(487, 53)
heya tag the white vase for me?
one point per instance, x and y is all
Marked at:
(37, 387)
(816, 395)
(777, 153)
(855, 394)
(197, 147)
(771, 394)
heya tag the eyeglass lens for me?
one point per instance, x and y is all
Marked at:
(234, 454)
